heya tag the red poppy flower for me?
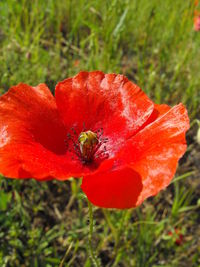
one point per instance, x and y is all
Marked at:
(177, 236)
(101, 127)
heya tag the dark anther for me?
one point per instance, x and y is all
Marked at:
(87, 145)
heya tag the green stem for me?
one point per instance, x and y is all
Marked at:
(91, 251)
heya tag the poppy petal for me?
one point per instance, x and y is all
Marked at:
(107, 101)
(33, 138)
(32, 160)
(154, 151)
(32, 142)
(158, 111)
(36, 116)
(113, 189)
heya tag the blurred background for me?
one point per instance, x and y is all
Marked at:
(155, 45)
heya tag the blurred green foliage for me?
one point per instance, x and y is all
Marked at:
(154, 44)
(151, 42)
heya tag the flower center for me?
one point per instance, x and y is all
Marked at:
(88, 145)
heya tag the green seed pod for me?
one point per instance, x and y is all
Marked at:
(88, 141)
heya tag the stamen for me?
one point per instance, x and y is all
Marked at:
(87, 145)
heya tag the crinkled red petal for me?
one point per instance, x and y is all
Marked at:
(107, 101)
(113, 189)
(32, 160)
(32, 136)
(152, 155)
(158, 111)
(154, 152)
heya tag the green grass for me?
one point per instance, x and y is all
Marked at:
(151, 42)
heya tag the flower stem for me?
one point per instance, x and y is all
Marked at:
(91, 251)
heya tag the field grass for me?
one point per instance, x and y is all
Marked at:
(151, 42)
